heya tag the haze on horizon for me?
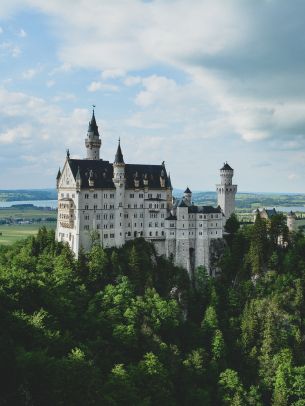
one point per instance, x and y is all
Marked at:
(194, 83)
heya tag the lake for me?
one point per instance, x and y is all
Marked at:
(38, 203)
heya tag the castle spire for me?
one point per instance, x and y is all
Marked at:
(93, 141)
(118, 159)
(93, 127)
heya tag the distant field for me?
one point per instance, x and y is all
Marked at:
(11, 233)
(26, 213)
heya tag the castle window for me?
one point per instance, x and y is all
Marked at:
(141, 195)
(200, 225)
(131, 195)
(183, 217)
(135, 206)
(98, 226)
(183, 226)
(158, 195)
(105, 226)
(105, 206)
(150, 206)
(111, 225)
(204, 216)
(135, 225)
(129, 233)
(86, 227)
(172, 225)
(126, 216)
(105, 216)
(94, 195)
(86, 196)
(95, 207)
(150, 233)
(111, 206)
(162, 233)
(156, 233)
(111, 235)
(156, 224)
(211, 216)
(216, 224)
(105, 195)
(150, 225)
(87, 217)
(98, 216)
(135, 215)
(149, 195)
(141, 205)
(141, 215)
(111, 216)
(86, 207)
(128, 224)
(162, 205)
(111, 195)
(141, 224)
(162, 224)
(120, 204)
(105, 235)
(216, 232)
(162, 215)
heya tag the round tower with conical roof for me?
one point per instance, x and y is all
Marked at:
(187, 196)
(93, 142)
(119, 181)
(226, 191)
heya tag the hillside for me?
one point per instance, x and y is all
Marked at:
(126, 327)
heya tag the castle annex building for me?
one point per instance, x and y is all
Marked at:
(115, 202)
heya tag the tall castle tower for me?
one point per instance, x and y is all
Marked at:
(119, 180)
(226, 191)
(93, 141)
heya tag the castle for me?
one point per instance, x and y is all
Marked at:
(117, 202)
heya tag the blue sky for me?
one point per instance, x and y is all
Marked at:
(194, 83)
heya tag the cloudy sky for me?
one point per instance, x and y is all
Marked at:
(193, 82)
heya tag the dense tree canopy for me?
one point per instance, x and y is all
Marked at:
(126, 327)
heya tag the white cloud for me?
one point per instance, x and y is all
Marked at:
(50, 83)
(22, 33)
(112, 73)
(10, 48)
(30, 73)
(1, 30)
(132, 80)
(95, 86)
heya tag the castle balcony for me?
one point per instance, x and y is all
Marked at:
(153, 210)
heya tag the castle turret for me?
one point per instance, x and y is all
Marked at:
(58, 178)
(93, 141)
(226, 191)
(291, 221)
(119, 181)
(78, 180)
(187, 197)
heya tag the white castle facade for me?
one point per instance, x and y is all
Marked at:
(117, 202)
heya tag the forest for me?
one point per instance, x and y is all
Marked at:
(127, 327)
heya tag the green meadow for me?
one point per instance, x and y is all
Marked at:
(12, 233)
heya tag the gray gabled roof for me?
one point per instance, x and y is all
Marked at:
(204, 209)
(102, 172)
(187, 190)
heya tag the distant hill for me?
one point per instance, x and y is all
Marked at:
(27, 194)
(244, 201)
